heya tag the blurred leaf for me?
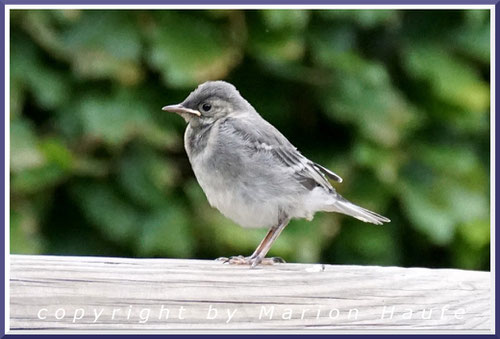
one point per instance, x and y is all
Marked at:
(364, 189)
(117, 118)
(302, 240)
(35, 164)
(334, 46)
(29, 72)
(429, 216)
(278, 37)
(368, 244)
(365, 18)
(278, 19)
(57, 153)
(98, 44)
(102, 44)
(24, 234)
(17, 97)
(466, 204)
(56, 166)
(166, 231)
(361, 92)
(116, 218)
(450, 78)
(474, 42)
(471, 250)
(374, 106)
(37, 179)
(272, 47)
(476, 232)
(41, 28)
(438, 207)
(385, 162)
(145, 177)
(473, 37)
(456, 161)
(24, 152)
(207, 54)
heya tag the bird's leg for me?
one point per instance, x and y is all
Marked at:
(258, 256)
(260, 252)
(265, 244)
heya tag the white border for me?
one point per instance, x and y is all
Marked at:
(7, 168)
(316, 331)
(492, 165)
(249, 7)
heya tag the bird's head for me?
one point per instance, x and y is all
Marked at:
(209, 102)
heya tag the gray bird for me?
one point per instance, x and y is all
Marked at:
(250, 172)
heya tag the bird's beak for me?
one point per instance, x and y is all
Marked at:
(180, 109)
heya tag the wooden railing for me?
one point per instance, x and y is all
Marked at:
(95, 293)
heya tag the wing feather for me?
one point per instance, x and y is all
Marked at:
(329, 173)
(268, 139)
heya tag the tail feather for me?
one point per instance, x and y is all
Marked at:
(346, 207)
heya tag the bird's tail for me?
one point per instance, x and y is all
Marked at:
(344, 206)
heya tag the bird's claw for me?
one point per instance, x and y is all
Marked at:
(252, 261)
(235, 260)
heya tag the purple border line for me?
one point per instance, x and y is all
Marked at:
(250, 2)
(219, 2)
(497, 235)
(2, 170)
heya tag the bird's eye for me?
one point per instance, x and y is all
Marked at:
(206, 107)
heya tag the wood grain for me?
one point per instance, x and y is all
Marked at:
(98, 293)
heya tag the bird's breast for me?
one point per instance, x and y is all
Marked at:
(196, 139)
(220, 171)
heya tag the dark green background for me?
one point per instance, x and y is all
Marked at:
(395, 102)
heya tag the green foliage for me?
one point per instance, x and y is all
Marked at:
(396, 102)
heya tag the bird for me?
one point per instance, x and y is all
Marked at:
(250, 172)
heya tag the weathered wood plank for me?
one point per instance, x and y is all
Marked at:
(186, 294)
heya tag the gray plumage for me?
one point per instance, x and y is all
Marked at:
(248, 170)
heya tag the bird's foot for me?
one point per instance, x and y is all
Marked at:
(252, 261)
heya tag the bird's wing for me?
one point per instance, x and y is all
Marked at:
(328, 173)
(264, 137)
